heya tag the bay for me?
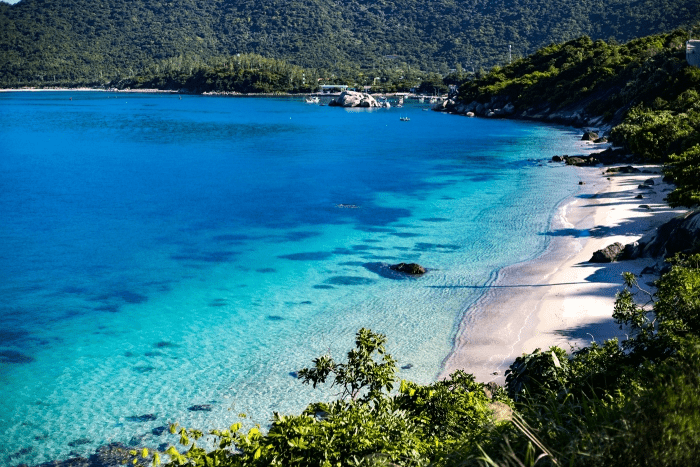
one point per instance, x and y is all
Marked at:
(160, 253)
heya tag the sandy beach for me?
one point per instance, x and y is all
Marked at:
(560, 298)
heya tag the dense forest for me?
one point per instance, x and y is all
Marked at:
(644, 89)
(47, 42)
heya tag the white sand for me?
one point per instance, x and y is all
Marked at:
(560, 298)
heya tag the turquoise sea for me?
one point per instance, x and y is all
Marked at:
(158, 253)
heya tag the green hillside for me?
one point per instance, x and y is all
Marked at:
(95, 41)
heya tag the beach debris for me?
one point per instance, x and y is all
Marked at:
(408, 268)
(200, 408)
(608, 254)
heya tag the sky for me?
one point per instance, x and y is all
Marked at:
(10, 1)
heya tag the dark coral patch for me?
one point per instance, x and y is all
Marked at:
(311, 256)
(349, 280)
(12, 356)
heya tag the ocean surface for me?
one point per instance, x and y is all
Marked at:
(158, 253)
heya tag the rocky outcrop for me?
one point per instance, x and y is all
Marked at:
(608, 254)
(503, 106)
(589, 136)
(354, 99)
(413, 269)
(679, 235)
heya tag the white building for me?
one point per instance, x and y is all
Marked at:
(692, 52)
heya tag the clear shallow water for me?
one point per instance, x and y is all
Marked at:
(158, 253)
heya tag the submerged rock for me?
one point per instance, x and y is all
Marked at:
(408, 268)
(200, 408)
(149, 417)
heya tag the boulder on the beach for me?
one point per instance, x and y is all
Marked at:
(589, 136)
(580, 160)
(408, 268)
(649, 182)
(679, 235)
(354, 99)
(608, 254)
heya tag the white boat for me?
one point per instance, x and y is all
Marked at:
(312, 100)
(404, 119)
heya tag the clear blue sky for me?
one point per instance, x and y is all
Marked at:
(10, 1)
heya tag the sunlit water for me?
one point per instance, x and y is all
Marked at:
(158, 253)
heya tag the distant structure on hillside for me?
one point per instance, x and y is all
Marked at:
(692, 52)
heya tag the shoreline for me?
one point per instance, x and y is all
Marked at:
(559, 298)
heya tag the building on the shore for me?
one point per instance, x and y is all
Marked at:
(692, 52)
(333, 88)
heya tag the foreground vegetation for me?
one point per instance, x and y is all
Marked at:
(616, 403)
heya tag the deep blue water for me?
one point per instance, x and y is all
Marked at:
(157, 253)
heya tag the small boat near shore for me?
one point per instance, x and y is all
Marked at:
(312, 100)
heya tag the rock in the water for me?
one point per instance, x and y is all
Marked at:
(608, 254)
(639, 196)
(354, 99)
(649, 182)
(200, 408)
(408, 268)
(589, 136)
(557, 159)
(112, 454)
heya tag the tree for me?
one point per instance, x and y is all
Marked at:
(361, 373)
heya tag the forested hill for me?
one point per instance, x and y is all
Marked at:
(42, 41)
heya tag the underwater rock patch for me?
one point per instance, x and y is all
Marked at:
(12, 356)
(200, 408)
(148, 417)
